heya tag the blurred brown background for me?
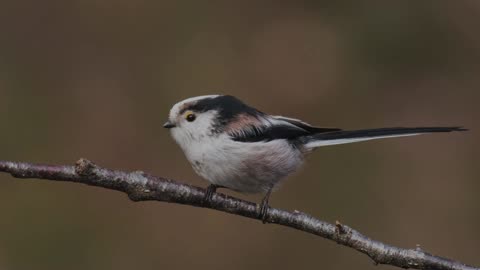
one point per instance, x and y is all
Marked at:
(96, 79)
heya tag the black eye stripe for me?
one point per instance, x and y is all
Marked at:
(228, 107)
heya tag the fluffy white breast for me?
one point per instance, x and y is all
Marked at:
(245, 167)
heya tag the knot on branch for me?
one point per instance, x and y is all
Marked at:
(340, 229)
(85, 167)
(343, 234)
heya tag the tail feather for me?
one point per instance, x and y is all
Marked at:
(351, 136)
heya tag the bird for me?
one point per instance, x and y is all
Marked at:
(236, 146)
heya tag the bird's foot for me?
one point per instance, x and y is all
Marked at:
(264, 207)
(263, 211)
(211, 189)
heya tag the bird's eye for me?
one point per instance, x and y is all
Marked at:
(190, 117)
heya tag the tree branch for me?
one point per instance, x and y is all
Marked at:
(140, 186)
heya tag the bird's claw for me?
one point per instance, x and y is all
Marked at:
(264, 207)
(263, 215)
(211, 189)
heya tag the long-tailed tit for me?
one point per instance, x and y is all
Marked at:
(235, 146)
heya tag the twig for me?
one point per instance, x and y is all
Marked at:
(140, 186)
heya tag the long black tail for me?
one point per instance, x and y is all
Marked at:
(351, 136)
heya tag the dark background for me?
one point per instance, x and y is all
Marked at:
(96, 79)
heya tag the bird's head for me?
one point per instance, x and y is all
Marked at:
(202, 118)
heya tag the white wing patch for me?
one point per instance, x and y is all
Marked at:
(318, 143)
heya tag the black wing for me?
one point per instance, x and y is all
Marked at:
(282, 128)
(306, 126)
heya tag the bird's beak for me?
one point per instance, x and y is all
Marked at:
(168, 125)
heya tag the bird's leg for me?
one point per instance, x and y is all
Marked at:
(264, 206)
(212, 188)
